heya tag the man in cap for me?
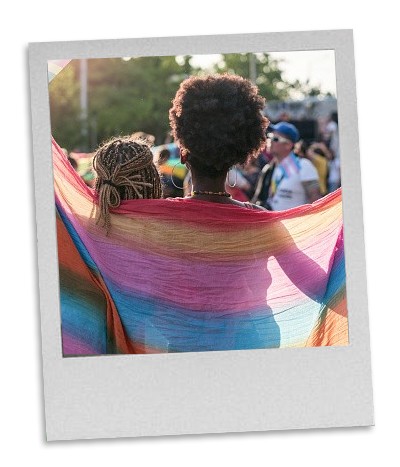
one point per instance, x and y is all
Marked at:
(295, 180)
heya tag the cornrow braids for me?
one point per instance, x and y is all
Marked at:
(125, 170)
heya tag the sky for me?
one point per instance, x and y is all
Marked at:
(316, 65)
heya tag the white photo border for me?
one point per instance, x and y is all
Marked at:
(209, 392)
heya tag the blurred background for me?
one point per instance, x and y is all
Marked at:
(94, 99)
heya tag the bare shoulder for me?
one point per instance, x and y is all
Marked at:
(249, 205)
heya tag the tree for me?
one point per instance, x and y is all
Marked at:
(124, 96)
(135, 94)
(269, 77)
(65, 108)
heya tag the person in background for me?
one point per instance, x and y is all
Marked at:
(262, 185)
(295, 180)
(73, 163)
(144, 137)
(251, 172)
(332, 131)
(168, 181)
(71, 160)
(319, 155)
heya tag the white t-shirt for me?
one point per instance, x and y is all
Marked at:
(286, 185)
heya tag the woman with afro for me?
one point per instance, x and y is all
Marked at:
(217, 122)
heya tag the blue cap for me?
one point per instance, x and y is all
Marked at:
(288, 130)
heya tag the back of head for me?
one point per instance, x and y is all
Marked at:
(163, 156)
(288, 130)
(218, 122)
(143, 137)
(300, 148)
(125, 170)
(73, 162)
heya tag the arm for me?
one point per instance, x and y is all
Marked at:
(307, 275)
(312, 190)
(310, 180)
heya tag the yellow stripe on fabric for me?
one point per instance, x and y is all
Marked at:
(272, 238)
(176, 237)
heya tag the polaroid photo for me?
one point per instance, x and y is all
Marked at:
(200, 235)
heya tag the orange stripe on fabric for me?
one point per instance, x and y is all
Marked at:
(69, 257)
(333, 329)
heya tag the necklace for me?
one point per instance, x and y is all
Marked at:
(218, 193)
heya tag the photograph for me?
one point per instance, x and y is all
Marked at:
(195, 240)
(198, 202)
(200, 237)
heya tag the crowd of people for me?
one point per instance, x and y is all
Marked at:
(288, 172)
(278, 171)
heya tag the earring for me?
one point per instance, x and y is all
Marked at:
(229, 183)
(172, 176)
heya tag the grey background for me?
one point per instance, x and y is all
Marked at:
(213, 392)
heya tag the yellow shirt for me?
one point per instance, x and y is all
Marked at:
(321, 164)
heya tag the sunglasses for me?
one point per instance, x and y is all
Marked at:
(278, 139)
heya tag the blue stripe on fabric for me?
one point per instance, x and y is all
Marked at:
(161, 326)
(84, 321)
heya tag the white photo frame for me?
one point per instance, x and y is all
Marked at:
(210, 392)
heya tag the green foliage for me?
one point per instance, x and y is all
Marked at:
(268, 75)
(134, 95)
(129, 95)
(65, 108)
(124, 96)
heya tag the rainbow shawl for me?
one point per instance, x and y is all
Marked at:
(179, 275)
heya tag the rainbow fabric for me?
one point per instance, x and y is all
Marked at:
(181, 275)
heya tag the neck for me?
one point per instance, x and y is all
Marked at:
(215, 185)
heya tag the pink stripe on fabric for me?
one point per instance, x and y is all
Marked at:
(74, 346)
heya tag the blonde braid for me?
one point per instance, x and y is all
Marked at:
(125, 170)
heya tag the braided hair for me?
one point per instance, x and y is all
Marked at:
(125, 170)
